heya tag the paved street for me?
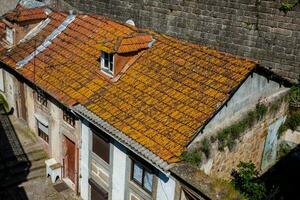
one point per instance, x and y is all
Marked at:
(22, 168)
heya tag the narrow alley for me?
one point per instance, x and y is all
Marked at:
(22, 165)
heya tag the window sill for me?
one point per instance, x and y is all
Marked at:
(69, 125)
(107, 73)
(100, 161)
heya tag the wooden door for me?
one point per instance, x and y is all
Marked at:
(23, 109)
(70, 160)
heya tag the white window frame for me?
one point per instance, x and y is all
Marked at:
(9, 35)
(109, 68)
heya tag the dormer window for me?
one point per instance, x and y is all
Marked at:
(9, 35)
(107, 63)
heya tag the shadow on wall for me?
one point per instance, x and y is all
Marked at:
(14, 163)
(283, 179)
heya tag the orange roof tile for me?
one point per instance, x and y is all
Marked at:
(21, 14)
(134, 43)
(161, 101)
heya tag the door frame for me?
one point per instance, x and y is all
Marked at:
(74, 185)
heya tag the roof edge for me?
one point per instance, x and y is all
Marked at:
(231, 93)
(129, 143)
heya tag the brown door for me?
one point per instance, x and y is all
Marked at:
(22, 103)
(70, 160)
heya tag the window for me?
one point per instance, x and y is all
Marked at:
(101, 147)
(107, 64)
(9, 35)
(69, 118)
(41, 97)
(43, 131)
(97, 192)
(142, 176)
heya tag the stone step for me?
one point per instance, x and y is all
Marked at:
(23, 168)
(19, 178)
(23, 159)
(32, 146)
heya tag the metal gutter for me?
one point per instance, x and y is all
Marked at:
(129, 143)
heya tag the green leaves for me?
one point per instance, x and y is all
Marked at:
(194, 157)
(245, 179)
(286, 6)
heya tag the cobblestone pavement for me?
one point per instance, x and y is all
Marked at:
(22, 165)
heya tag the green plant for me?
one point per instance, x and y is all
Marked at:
(261, 110)
(251, 118)
(231, 143)
(281, 130)
(293, 120)
(286, 6)
(4, 103)
(284, 149)
(194, 157)
(237, 129)
(245, 179)
(213, 139)
(205, 147)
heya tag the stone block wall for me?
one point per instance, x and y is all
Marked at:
(249, 147)
(249, 28)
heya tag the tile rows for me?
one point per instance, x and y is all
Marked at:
(162, 99)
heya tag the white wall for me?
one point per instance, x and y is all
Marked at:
(166, 190)
(30, 108)
(11, 91)
(84, 162)
(55, 139)
(118, 174)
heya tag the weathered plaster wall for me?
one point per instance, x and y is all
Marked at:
(118, 174)
(255, 89)
(55, 139)
(84, 162)
(166, 189)
(11, 90)
(250, 147)
(250, 28)
(30, 109)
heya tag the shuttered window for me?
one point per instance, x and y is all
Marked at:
(101, 147)
(43, 131)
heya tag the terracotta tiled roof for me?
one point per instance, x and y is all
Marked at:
(134, 43)
(162, 99)
(21, 14)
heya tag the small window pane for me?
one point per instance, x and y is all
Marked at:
(137, 172)
(101, 147)
(148, 181)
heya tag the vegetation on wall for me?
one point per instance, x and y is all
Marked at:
(194, 157)
(288, 5)
(4, 103)
(228, 136)
(245, 179)
(293, 117)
